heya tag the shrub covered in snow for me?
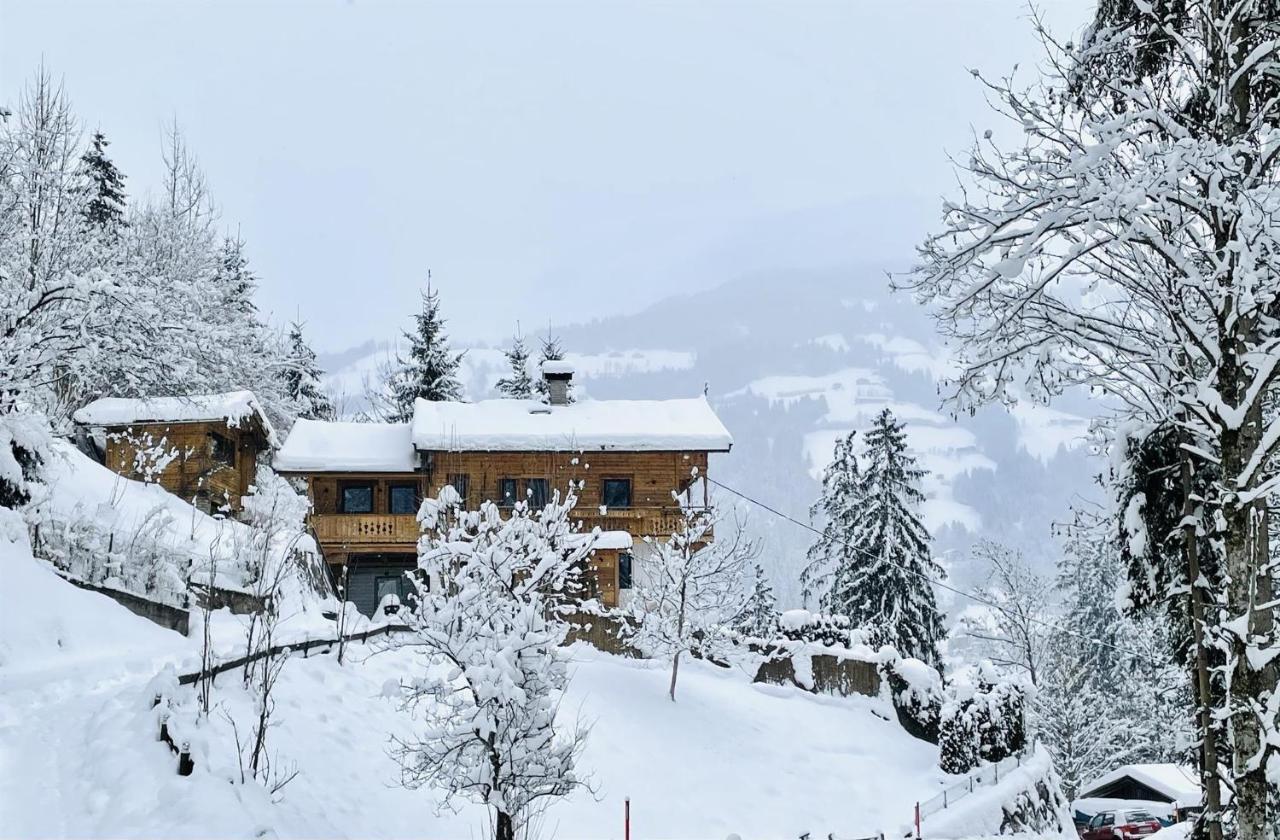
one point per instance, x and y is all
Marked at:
(982, 720)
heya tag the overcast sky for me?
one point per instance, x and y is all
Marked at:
(546, 162)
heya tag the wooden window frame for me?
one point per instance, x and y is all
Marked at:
(546, 491)
(503, 501)
(343, 486)
(399, 485)
(218, 440)
(631, 491)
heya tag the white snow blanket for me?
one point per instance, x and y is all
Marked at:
(319, 446)
(527, 425)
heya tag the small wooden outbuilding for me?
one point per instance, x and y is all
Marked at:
(202, 447)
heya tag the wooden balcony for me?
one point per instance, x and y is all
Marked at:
(399, 532)
(366, 530)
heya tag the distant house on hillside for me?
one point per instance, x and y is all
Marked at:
(1173, 784)
(202, 447)
(367, 480)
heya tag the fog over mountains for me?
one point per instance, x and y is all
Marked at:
(794, 360)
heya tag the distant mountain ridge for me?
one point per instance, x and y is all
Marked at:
(793, 361)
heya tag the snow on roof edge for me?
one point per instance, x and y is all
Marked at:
(233, 407)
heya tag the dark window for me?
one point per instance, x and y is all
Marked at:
(1108, 819)
(462, 483)
(616, 493)
(624, 570)
(536, 492)
(357, 498)
(506, 492)
(222, 449)
(403, 498)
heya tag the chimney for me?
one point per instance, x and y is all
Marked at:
(558, 374)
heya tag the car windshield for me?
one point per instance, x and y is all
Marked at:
(1140, 816)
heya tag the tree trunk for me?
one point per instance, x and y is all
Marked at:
(675, 669)
(505, 827)
(1247, 579)
(1209, 778)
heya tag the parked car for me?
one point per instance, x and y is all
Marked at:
(1120, 825)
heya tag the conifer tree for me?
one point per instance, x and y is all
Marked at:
(106, 197)
(760, 614)
(551, 352)
(518, 385)
(302, 379)
(431, 370)
(832, 560)
(886, 588)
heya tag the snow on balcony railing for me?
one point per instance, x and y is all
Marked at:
(979, 777)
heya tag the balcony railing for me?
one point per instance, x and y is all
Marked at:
(356, 529)
(365, 528)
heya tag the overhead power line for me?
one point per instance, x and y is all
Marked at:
(1048, 625)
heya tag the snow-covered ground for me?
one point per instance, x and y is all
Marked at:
(80, 755)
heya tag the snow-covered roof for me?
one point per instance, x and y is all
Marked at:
(320, 446)
(557, 367)
(234, 407)
(1178, 783)
(589, 425)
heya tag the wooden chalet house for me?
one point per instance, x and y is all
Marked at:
(367, 480)
(203, 448)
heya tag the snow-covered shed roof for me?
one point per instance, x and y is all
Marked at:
(589, 425)
(320, 446)
(1179, 784)
(233, 407)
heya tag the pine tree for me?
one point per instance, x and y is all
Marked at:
(518, 385)
(551, 352)
(302, 379)
(431, 370)
(832, 559)
(236, 281)
(106, 206)
(886, 587)
(759, 615)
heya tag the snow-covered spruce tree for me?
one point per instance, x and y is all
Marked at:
(832, 559)
(105, 209)
(1128, 243)
(302, 379)
(486, 610)
(431, 370)
(517, 384)
(689, 591)
(551, 351)
(1013, 634)
(758, 617)
(887, 586)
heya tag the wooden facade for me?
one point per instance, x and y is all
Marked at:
(213, 463)
(384, 529)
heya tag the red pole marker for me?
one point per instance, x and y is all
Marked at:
(917, 821)
(626, 819)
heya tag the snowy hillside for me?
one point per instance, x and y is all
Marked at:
(791, 362)
(79, 725)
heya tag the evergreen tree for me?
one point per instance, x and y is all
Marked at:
(832, 559)
(431, 370)
(302, 379)
(236, 281)
(886, 587)
(551, 352)
(518, 385)
(106, 205)
(759, 615)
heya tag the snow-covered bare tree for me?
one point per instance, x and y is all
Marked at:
(517, 384)
(690, 589)
(486, 609)
(1128, 243)
(49, 269)
(431, 370)
(1014, 633)
(302, 379)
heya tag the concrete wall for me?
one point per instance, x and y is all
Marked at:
(166, 615)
